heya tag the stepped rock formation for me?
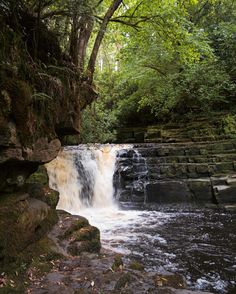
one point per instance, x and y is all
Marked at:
(196, 129)
(201, 173)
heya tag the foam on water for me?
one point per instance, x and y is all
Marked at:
(83, 176)
(189, 243)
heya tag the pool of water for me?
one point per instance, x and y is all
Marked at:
(199, 244)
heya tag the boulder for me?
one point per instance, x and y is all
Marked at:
(201, 190)
(75, 235)
(23, 220)
(226, 193)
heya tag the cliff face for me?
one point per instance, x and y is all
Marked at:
(41, 96)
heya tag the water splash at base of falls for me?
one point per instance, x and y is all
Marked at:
(83, 175)
(191, 243)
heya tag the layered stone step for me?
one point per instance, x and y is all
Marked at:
(189, 148)
(226, 157)
(173, 173)
(199, 129)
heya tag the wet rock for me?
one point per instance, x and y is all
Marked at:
(91, 245)
(175, 281)
(123, 281)
(201, 190)
(168, 192)
(74, 235)
(175, 173)
(92, 274)
(44, 193)
(225, 193)
(118, 263)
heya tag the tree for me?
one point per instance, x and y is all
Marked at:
(91, 65)
(176, 59)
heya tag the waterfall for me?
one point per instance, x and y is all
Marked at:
(131, 176)
(83, 175)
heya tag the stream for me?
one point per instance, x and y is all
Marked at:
(198, 243)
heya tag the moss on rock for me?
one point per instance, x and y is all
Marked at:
(23, 220)
(40, 176)
(118, 263)
(75, 226)
(38, 188)
(91, 246)
(86, 233)
(77, 235)
(135, 265)
(20, 94)
(86, 239)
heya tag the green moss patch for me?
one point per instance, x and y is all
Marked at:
(135, 265)
(32, 263)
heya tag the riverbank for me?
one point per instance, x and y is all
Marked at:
(101, 272)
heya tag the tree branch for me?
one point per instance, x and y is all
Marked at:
(91, 65)
(137, 7)
(99, 2)
(154, 68)
(120, 21)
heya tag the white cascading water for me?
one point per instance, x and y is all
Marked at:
(84, 177)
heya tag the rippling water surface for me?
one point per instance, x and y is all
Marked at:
(199, 244)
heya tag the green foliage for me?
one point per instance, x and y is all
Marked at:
(229, 124)
(160, 60)
(200, 87)
(99, 120)
(97, 124)
(179, 62)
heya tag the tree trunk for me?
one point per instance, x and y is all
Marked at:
(37, 31)
(91, 65)
(85, 33)
(74, 40)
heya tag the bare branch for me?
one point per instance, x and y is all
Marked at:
(154, 68)
(137, 7)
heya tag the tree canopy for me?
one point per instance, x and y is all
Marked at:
(169, 60)
(151, 61)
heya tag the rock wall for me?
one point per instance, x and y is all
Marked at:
(196, 129)
(41, 98)
(31, 129)
(200, 173)
(25, 217)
